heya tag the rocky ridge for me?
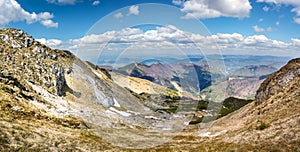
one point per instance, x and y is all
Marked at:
(33, 61)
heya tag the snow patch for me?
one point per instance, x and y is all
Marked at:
(98, 74)
(152, 117)
(116, 103)
(133, 112)
(209, 134)
(186, 123)
(123, 113)
(166, 129)
(205, 134)
(16, 108)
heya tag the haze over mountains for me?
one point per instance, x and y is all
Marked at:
(194, 76)
(51, 100)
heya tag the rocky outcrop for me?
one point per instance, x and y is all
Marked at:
(27, 60)
(286, 78)
(60, 82)
(16, 38)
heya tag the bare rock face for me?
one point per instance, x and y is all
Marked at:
(288, 77)
(60, 82)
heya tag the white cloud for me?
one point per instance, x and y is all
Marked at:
(49, 23)
(94, 39)
(255, 39)
(294, 3)
(50, 42)
(133, 10)
(297, 20)
(11, 11)
(63, 2)
(261, 20)
(296, 42)
(266, 8)
(118, 15)
(177, 2)
(95, 3)
(277, 23)
(216, 8)
(258, 29)
(163, 38)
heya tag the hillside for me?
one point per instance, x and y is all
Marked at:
(273, 120)
(34, 113)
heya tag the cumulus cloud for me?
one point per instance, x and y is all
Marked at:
(167, 37)
(133, 10)
(63, 2)
(258, 29)
(11, 11)
(95, 3)
(118, 15)
(94, 38)
(50, 42)
(216, 8)
(294, 3)
(49, 23)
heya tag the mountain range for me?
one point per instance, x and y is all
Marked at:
(52, 100)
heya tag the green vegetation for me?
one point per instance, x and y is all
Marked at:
(198, 120)
(169, 110)
(263, 125)
(202, 105)
(172, 94)
(229, 105)
(232, 104)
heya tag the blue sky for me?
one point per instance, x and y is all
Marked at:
(65, 21)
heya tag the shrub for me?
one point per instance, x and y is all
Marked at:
(263, 125)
